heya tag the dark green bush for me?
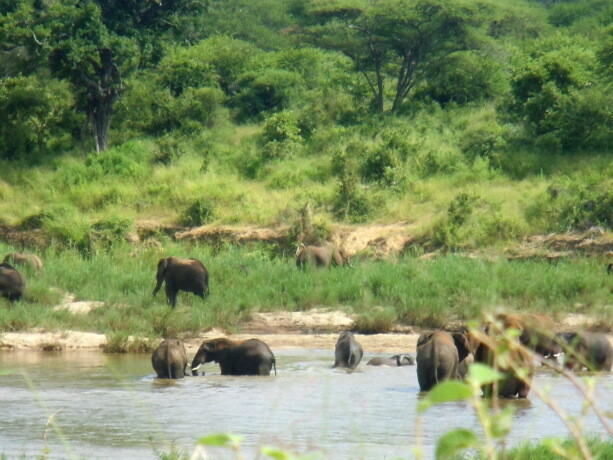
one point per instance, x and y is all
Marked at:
(199, 212)
(267, 91)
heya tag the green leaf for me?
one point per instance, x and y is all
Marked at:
(445, 392)
(480, 374)
(502, 421)
(276, 453)
(220, 440)
(454, 441)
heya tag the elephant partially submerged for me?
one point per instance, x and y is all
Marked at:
(439, 354)
(396, 360)
(169, 359)
(29, 260)
(589, 350)
(347, 352)
(516, 364)
(12, 283)
(250, 357)
(321, 256)
(179, 274)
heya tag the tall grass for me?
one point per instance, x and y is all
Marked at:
(260, 279)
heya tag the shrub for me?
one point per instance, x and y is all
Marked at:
(105, 233)
(168, 149)
(199, 212)
(266, 91)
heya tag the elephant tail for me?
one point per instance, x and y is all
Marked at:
(274, 364)
(168, 366)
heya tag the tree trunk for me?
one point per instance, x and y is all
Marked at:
(104, 89)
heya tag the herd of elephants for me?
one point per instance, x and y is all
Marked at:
(441, 354)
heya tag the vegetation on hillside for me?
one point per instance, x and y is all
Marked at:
(481, 121)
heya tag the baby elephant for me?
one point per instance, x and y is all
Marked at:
(321, 256)
(169, 359)
(438, 356)
(396, 360)
(348, 352)
(589, 349)
(28, 260)
(251, 357)
(12, 283)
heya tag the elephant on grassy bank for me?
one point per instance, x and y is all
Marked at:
(250, 357)
(169, 359)
(179, 274)
(347, 352)
(12, 283)
(438, 356)
(396, 360)
(590, 350)
(321, 256)
(28, 260)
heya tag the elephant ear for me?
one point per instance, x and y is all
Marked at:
(461, 344)
(162, 265)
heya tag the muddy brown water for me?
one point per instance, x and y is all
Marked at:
(112, 406)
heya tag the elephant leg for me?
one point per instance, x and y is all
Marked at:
(171, 295)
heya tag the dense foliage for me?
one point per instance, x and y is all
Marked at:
(241, 112)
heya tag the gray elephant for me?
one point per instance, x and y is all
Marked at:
(321, 256)
(188, 275)
(438, 356)
(12, 283)
(396, 360)
(28, 260)
(169, 359)
(250, 357)
(590, 350)
(347, 352)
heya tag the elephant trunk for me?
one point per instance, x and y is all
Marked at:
(157, 287)
(197, 362)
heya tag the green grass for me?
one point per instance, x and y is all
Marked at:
(260, 279)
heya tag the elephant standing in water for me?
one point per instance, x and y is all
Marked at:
(250, 357)
(589, 349)
(321, 256)
(12, 283)
(188, 275)
(438, 356)
(30, 260)
(513, 383)
(169, 359)
(396, 360)
(347, 352)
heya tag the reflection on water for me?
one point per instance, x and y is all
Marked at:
(112, 406)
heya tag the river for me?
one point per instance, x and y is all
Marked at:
(112, 406)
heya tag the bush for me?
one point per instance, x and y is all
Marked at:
(267, 91)
(199, 212)
(38, 115)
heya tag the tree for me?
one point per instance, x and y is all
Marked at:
(394, 39)
(95, 43)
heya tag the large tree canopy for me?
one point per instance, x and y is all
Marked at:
(395, 40)
(94, 43)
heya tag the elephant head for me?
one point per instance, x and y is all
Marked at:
(208, 352)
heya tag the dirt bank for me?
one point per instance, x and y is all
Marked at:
(315, 329)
